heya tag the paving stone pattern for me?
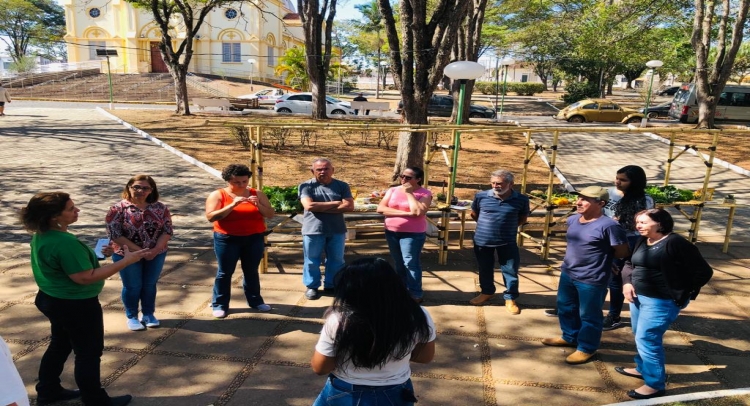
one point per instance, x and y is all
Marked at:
(484, 355)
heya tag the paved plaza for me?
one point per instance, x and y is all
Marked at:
(484, 355)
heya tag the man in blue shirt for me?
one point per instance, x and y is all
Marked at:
(594, 240)
(498, 213)
(325, 200)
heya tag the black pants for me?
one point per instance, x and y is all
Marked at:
(77, 325)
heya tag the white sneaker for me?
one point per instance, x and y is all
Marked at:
(135, 325)
(263, 308)
(150, 321)
(219, 314)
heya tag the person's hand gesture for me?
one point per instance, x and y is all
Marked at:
(238, 200)
(408, 187)
(108, 249)
(629, 292)
(134, 256)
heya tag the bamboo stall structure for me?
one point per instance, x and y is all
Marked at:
(547, 153)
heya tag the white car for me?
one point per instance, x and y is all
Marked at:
(302, 103)
(267, 96)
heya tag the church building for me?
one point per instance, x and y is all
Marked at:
(237, 40)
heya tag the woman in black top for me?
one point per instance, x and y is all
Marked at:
(667, 271)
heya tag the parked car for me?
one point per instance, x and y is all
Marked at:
(670, 91)
(302, 103)
(442, 106)
(661, 110)
(266, 96)
(598, 110)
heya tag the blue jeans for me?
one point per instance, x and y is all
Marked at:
(405, 250)
(76, 325)
(313, 246)
(139, 284)
(579, 308)
(509, 259)
(650, 319)
(229, 249)
(341, 393)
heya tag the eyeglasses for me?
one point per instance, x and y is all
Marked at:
(404, 177)
(139, 188)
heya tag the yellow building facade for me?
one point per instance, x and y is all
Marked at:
(238, 40)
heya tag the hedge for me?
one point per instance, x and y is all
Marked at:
(519, 88)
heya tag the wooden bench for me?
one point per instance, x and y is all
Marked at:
(380, 107)
(241, 104)
(223, 104)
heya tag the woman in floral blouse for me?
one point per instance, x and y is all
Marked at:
(139, 221)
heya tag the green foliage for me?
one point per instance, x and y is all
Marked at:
(520, 88)
(293, 64)
(23, 64)
(526, 88)
(576, 91)
(669, 194)
(26, 24)
(283, 199)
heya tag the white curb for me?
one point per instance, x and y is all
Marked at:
(686, 397)
(213, 171)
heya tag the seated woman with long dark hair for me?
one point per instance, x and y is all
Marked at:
(372, 332)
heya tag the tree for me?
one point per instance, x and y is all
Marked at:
(318, 45)
(294, 65)
(188, 16)
(468, 48)
(30, 23)
(710, 80)
(429, 30)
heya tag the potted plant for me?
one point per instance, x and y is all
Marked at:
(729, 199)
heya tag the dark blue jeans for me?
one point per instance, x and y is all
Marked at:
(341, 393)
(77, 325)
(509, 259)
(229, 249)
(139, 285)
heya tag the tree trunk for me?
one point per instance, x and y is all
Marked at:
(179, 75)
(313, 18)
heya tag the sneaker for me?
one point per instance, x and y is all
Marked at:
(135, 325)
(551, 312)
(557, 342)
(512, 307)
(312, 294)
(219, 314)
(150, 321)
(263, 308)
(578, 357)
(63, 394)
(611, 322)
(120, 400)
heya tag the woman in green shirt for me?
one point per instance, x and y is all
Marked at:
(70, 280)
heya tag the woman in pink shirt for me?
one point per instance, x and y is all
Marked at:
(404, 208)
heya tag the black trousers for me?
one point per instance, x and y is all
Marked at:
(78, 326)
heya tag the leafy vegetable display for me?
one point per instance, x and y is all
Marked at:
(283, 199)
(670, 194)
(559, 199)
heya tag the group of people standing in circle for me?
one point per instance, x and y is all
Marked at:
(387, 321)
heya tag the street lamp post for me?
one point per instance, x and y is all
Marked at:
(108, 53)
(252, 63)
(653, 65)
(506, 63)
(462, 71)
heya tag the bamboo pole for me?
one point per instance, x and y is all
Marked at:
(549, 207)
(696, 224)
(669, 161)
(526, 160)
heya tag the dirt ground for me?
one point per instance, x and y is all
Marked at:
(356, 156)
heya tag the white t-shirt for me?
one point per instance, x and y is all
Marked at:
(11, 386)
(394, 372)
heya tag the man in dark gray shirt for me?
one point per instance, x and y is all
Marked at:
(325, 200)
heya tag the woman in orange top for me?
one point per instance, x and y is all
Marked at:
(238, 213)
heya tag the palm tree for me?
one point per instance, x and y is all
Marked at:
(372, 22)
(293, 66)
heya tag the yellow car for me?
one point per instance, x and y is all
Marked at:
(598, 110)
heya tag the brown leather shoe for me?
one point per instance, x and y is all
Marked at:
(481, 299)
(557, 342)
(512, 307)
(578, 357)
